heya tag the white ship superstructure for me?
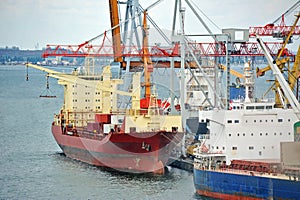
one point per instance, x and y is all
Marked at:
(198, 93)
(250, 130)
(197, 87)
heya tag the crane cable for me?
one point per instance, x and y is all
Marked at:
(291, 9)
(206, 15)
(121, 23)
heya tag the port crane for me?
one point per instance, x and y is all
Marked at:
(119, 50)
(282, 50)
(293, 74)
(278, 31)
(281, 80)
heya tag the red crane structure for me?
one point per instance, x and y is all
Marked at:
(280, 31)
(272, 30)
(114, 48)
(205, 49)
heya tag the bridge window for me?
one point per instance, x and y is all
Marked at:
(249, 107)
(259, 107)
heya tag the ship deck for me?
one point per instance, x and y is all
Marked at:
(249, 173)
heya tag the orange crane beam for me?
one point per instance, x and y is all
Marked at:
(233, 72)
(148, 67)
(116, 30)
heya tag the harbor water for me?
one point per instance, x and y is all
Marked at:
(32, 165)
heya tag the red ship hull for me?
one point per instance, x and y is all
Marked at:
(130, 152)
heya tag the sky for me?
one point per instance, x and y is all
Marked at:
(31, 24)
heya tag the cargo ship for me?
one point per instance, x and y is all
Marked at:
(248, 152)
(251, 150)
(92, 128)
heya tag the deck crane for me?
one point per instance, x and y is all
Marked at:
(77, 80)
(281, 64)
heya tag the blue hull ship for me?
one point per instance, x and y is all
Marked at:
(229, 185)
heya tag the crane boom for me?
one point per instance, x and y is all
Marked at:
(233, 72)
(77, 80)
